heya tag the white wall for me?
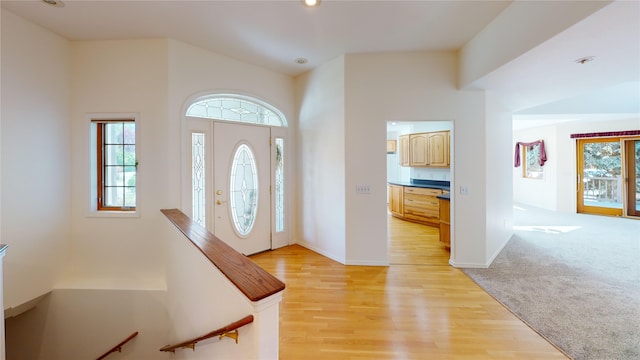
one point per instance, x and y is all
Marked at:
(321, 165)
(499, 194)
(406, 87)
(561, 154)
(537, 192)
(128, 76)
(84, 324)
(35, 157)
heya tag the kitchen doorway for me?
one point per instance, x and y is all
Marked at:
(411, 243)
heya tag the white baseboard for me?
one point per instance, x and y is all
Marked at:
(493, 257)
(480, 265)
(468, 265)
(341, 260)
(367, 263)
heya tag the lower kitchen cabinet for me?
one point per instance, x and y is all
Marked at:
(415, 204)
(396, 200)
(445, 222)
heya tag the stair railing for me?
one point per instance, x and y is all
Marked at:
(237, 284)
(118, 347)
(230, 331)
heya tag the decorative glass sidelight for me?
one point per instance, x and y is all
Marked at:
(279, 179)
(243, 190)
(198, 178)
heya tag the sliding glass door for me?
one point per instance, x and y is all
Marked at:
(600, 176)
(608, 176)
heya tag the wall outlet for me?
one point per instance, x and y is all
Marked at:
(363, 189)
(464, 190)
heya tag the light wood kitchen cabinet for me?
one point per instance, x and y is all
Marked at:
(396, 200)
(429, 149)
(404, 150)
(445, 222)
(419, 149)
(438, 152)
(421, 205)
(448, 148)
(391, 146)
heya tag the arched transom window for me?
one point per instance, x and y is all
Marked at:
(236, 108)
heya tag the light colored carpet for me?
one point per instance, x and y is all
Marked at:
(573, 278)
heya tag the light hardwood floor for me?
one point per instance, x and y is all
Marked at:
(417, 308)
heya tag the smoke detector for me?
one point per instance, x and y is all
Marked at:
(585, 60)
(56, 3)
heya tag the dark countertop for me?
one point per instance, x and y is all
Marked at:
(446, 196)
(431, 184)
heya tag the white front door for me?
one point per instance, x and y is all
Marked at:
(241, 199)
(228, 182)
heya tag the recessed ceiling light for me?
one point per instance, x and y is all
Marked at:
(301, 61)
(311, 3)
(585, 59)
(56, 3)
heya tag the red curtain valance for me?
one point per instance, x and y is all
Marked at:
(543, 154)
(606, 134)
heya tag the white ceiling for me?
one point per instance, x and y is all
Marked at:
(548, 72)
(273, 34)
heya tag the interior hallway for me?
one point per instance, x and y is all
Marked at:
(419, 307)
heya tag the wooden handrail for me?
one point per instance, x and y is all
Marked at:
(252, 280)
(223, 331)
(118, 347)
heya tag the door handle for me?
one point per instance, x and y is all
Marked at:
(220, 202)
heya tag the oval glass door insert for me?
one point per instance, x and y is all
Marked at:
(243, 190)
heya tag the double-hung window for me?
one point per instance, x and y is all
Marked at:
(115, 165)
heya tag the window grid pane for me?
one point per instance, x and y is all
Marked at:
(113, 176)
(113, 133)
(113, 196)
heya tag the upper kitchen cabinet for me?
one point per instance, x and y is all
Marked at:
(392, 146)
(428, 149)
(439, 149)
(418, 149)
(403, 150)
